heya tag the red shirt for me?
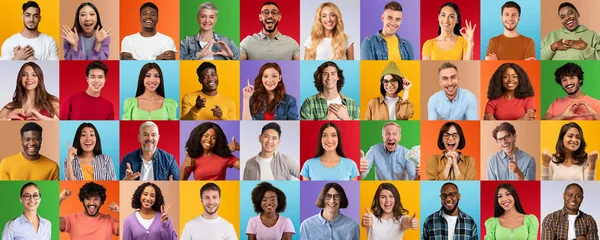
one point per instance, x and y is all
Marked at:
(81, 106)
(269, 116)
(213, 167)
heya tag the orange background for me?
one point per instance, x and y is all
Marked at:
(429, 134)
(10, 142)
(13, 23)
(550, 20)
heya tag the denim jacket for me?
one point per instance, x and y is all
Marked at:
(375, 48)
(286, 109)
(190, 45)
(163, 164)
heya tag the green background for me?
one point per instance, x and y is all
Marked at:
(12, 207)
(551, 90)
(370, 134)
(228, 19)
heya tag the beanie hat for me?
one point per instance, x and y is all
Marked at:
(391, 68)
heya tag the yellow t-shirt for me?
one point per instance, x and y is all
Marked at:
(189, 111)
(17, 167)
(392, 47)
(88, 172)
(455, 53)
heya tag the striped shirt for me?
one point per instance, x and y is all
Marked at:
(103, 168)
(436, 227)
(315, 108)
(556, 226)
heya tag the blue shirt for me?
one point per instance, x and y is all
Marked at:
(375, 48)
(318, 228)
(390, 165)
(21, 229)
(463, 107)
(497, 168)
(163, 164)
(286, 109)
(435, 227)
(345, 170)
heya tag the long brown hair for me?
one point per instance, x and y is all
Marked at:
(260, 97)
(43, 99)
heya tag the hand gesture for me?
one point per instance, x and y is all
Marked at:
(35, 115)
(225, 50)
(546, 157)
(417, 173)
(102, 34)
(339, 110)
(529, 115)
(248, 90)
(170, 177)
(560, 45)
(17, 114)
(70, 36)
(200, 102)
(233, 145)
(578, 44)
(164, 213)
(66, 193)
(512, 165)
(22, 53)
(367, 220)
(129, 175)
(165, 56)
(530, 59)
(414, 222)
(206, 50)
(406, 84)
(469, 32)
(590, 110)
(592, 158)
(452, 158)
(113, 207)
(364, 163)
(71, 153)
(217, 112)
(492, 56)
(569, 111)
(192, 160)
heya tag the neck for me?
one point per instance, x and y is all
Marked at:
(446, 35)
(88, 34)
(206, 35)
(330, 156)
(270, 35)
(31, 158)
(571, 212)
(207, 152)
(31, 216)
(264, 154)
(147, 155)
(206, 215)
(455, 213)
(511, 212)
(148, 32)
(270, 215)
(328, 34)
(391, 95)
(387, 36)
(330, 94)
(147, 212)
(511, 33)
(386, 216)
(26, 33)
(92, 93)
(576, 95)
(209, 92)
(512, 152)
(149, 94)
(451, 98)
(87, 154)
(509, 94)
(568, 155)
(30, 97)
(271, 95)
(330, 215)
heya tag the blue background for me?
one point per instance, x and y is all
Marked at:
(351, 71)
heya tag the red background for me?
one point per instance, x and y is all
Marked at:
(168, 141)
(72, 80)
(288, 25)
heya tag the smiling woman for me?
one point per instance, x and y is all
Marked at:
(28, 225)
(268, 202)
(510, 219)
(150, 102)
(571, 161)
(87, 39)
(151, 220)
(85, 160)
(451, 164)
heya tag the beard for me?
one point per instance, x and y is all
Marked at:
(209, 212)
(577, 87)
(31, 29)
(88, 213)
(271, 30)
(450, 211)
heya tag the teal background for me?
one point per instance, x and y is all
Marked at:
(228, 19)
(551, 90)
(350, 69)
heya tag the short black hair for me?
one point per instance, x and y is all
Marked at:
(273, 126)
(270, 3)
(343, 198)
(568, 70)
(259, 192)
(210, 186)
(32, 4)
(510, 4)
(567, 4)
(31, 126)
(319, 72)
(96, 65)
(159, 201)
(151, 5)
(77, 142)
(449, 184)
(92, 189)
(203, 66)
(36, 186)
(393, 5)
(445, 128)
(568, 186)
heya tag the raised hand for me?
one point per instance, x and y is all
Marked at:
(406, 84)
(129, 175)
(164, 213)
(248, 90)
(217, 112)
(569, 111)
(364, 163)
(225, 50)
(102, 34)
(200, 102)
(367, 220)
(452, 157)
(592, 159)
(71, 153)
(469, 32)
(170, 177)
(66, 193)
(417, 173)
(546, 157)
(414, 222)
(233, 145)
(113, 207)
(17, 114)
(590, 110)
(70, 36)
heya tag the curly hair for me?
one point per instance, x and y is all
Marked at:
(457, 27)
(318, 78)
(136, 202)
(317, 33)
(43, 99)
(259, 192)
(398, 210)
(496, 88)
(498, 210)
(194, 147)
(579, 156)
(145, 69)
(77, 139)
(260, 98)
(568, 70)
(92, 189)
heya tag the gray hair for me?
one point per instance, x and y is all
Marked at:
(390, 124)
(148, 124)
(209, 6)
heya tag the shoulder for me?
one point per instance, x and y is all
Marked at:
(404, 41)
(170, 101)
(188, 39)
(289, 98)
(130, 101)
(491, 222)
(349, 100)
(131, 37)
(370, 39)
(429, 42)
(164, 153)
(531, 219)
(46, 37)
(163, 36)
(48, 160)
(467, 93)
(132, 155)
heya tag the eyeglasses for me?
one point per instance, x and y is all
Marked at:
(454, 135)
(503, 139)
(265, 13)
(576, 196)
(28, 196)
(386, 82)
(450, 195)
(329, 196)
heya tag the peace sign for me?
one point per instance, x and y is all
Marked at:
(164, 213)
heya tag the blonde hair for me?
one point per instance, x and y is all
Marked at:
(317, 33)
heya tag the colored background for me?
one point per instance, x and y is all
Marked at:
(47, 208)
(289, 21)
(532, 68)
(168, 132)
(469, 10)
(230, 128)
(552, 197)
(290, 75)
(310, 192)
(250, 132)
(529, 24)
(370, 24)
(528, 140)
(228, 19)
(228, 74)
(108, 11)
(350, 69)
(168, 24)
(407, 190)
(9, 71)
(350, 10)
(109, 134)
(10, 142)
(371, 134)
(429, 138)
(73, 81)
(292, 211)
(229, 207)
(370, 76)
(551, 20)
(129, 80)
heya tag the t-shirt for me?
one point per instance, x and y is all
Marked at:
(325, 50)
(144, 222)
(386, 229)
(265, 168)
(17, 167)
(209, 56)
(147, 48)
(511, 48)
(213, 167)
(80, 226)
(283, 225)
(190, 112)
(315, 170)
(44, 46)
(147, 171)
(391, 104)
(451, 224)
(560, 104)
(392, 48)
(88, 172)
(509, 109)
(455, 53)
(200, 228)
(571, 229)
(81, 106)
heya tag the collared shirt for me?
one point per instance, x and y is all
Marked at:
(556, 226)
(375, 48)
(378, 109)
(497, 168)
(163, 164)
(260, 47)
(463, 107)
(318, 228)
(437, 163)
(390, 165)
(103, 168)
(20, 228)
(315, 108)
(190, 46)
(436, 227)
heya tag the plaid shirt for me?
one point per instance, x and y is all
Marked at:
(556, 226)
(436, 227)
(315, 108)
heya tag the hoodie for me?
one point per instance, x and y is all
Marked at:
(592, 52)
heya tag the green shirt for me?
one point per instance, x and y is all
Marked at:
(527, 231)
(592, 52)
(167, 111)
(315, 108)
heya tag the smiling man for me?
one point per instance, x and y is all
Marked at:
(207, 103)
(452, 103)
(209, 225)
(576, 105)
(510, 45)
(89, 104)
(449, 222)
(570, 222)
(148, 44)
(386, 44)
(270, 164)
(510, 163)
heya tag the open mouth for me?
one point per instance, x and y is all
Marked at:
(91, 208)
(570, 87)
(511, 85)
(153, 85)
(88, 144)
(570, 23)
(451, 88)
(207, 144)
(451, 145)
(329, 145)
(212, 84)
(446, 25)
(270, 23)
(391, 143)
(270, 84)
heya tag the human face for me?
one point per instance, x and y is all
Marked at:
(450, 198)
(505, 199)
(269, 17)
(572, 140)
(329, 139)
(510, 18)
(207, 19)
(391, 137)
(209, 139)
(390, 85)
(328, 18)
(447, 18)
(569, 18)
(96, 80)
(506, 141)
(451, 139)
(269, 202)
(152, 80)
(449, 82)
(330, 78)
(87, 139)
(332, 200)
(391, 21)
(269, 140)
(570, 84)
(29, 78)
(510, 80)
(573, 196)
(209, 79)
(31, 142)
(210, 201)
(148, 197)
(149, 138)
(386, 201)
(270, 79)
(88, 19)
(92, 205)
(31, 18)
(31, 198)
(149, 18)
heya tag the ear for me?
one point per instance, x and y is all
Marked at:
(382, 19)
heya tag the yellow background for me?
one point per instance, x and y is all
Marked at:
(549, 134)
(229, 207)
(13, 23)
(229, 80)
(370, 76)
(409, 196)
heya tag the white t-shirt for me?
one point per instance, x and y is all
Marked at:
(145, 222)
(324, 50)
(571, 231)
(386, 229)
(147, 48)
(451, 224)
(265, 168)
(207, 57)
(391, 104)
(201, 228)
(147, 171)
(44, 46)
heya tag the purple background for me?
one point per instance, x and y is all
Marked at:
(230, 128)
(290, 73)
(310, 192)
(371, 10)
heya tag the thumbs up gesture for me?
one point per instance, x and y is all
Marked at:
(367, 220)
(512, 165)
(233, 145)
(364, 163)
(414, 222)
(129, 175)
